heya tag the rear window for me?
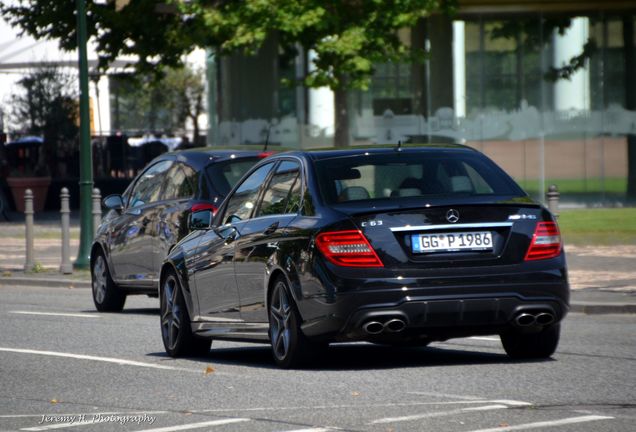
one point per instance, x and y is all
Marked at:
(224, 175)
(399, 175)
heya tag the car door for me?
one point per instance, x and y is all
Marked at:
(213, 264)
(131, 248)
(262, 236)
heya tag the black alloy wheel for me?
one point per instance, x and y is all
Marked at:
(290, 346)
(176, 332)
(106, 294)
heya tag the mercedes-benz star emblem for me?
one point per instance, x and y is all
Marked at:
(452, 215)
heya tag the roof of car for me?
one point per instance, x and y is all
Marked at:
(200, 157)
(355, 151)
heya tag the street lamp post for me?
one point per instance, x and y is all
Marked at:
(86, 157)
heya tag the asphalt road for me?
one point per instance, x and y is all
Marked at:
(80, 370)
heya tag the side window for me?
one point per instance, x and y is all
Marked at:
(178, 184)
(282, 195)
(148, 187)
(241, 203)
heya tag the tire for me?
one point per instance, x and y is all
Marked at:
(539, 345)
(176, 331)
(106, 294)
(290, 347)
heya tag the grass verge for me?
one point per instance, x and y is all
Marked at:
(598, 226)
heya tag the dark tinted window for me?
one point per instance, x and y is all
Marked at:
(224, 175)
(282, 194)
(243, 200)
(148, 187)
(397, 175)
(178, 184)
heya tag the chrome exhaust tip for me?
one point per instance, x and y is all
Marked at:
(373, 327)
(395, 325)
(525, 319)
(544, 318)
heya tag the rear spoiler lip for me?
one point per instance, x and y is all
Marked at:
(373, 206)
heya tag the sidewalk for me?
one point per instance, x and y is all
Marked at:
(602, 278)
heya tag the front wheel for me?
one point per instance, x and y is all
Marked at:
(539, 345)
(106, 294)
(176, 332)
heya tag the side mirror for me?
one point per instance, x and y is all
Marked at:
(113, 202)
(200, 220)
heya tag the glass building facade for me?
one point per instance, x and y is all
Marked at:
(546, 89)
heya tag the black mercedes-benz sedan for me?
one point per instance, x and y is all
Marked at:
(150, 217)
(398, 246)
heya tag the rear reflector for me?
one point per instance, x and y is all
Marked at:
(546, 242)
(347, 248)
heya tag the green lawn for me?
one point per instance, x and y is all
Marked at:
(598, 226)
(611, 185)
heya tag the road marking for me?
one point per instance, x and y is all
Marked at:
(197, 425)
(75, 315)
(485, 338)
(323, 429)
(62, 425)
(550, 423)
(448, 396)
(437, 414)
(118, 361)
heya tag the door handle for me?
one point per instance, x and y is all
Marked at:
(270, 229)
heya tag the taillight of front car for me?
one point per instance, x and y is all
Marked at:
(347, 249)
(546, 242)
(203, 206)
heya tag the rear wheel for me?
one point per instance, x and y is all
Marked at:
(106, 294)
(290, 346)
(176, 331)
(532, 345)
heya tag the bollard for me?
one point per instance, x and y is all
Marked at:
(553, 200)
(28, 218)
(97, 210)
(66, 267)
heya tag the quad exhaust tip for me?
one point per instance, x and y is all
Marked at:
(373, 327)
(393, 325)
(525, 319)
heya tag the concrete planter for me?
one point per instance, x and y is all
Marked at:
(38, 185)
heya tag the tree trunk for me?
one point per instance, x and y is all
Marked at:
(630, 101)
(341, 137)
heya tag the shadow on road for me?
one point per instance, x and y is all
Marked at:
(359, 357)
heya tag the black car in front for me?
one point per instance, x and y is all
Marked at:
(392, 246)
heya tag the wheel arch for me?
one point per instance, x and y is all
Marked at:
(170, 266)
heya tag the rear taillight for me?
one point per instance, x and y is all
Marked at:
(546, 242)
(203, 206)
(347, 248)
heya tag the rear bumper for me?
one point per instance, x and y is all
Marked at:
(434, 308)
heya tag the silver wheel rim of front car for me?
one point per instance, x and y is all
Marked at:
(280, 312)
(99, 279)
(170, 313)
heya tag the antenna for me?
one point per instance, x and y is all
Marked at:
(269, 127)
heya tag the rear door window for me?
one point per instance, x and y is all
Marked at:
(282, 195)
(178, 184)
(147, 189)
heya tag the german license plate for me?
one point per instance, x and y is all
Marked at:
(451, 242)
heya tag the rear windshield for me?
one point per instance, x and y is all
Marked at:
(224, 175)
(397, 175)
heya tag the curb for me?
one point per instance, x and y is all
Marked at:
(591, 308)
(49, 283)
